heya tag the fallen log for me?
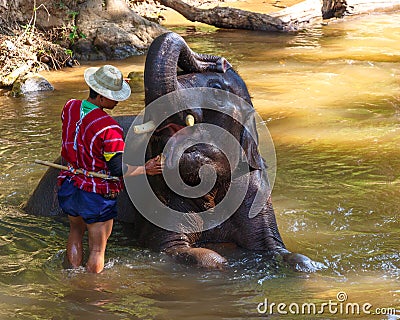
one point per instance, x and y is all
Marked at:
(9, 79)
(300, 16)
(297, 17)
(363, 6)
(294, 18)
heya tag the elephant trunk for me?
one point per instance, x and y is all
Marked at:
(166, 53)
(191, 62)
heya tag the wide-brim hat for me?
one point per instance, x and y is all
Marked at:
(108, 81)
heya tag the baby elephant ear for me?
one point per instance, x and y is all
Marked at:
(249, 143)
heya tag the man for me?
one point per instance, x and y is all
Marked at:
(93, 141)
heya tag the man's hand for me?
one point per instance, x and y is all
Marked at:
(154, 166)
(151, 167)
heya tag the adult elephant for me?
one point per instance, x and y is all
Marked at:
(180, 122)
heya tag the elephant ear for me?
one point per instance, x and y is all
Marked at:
(249, 143)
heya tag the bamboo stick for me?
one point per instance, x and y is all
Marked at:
(88, 173)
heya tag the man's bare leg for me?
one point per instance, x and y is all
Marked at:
(75, 238)
(99, 232)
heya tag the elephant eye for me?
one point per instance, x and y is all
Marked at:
(214, 84)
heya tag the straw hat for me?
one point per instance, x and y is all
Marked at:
(108, 81)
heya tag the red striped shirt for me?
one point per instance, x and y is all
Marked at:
(98, 134)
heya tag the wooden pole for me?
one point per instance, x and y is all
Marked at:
(88, 173)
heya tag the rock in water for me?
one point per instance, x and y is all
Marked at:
(31, 82)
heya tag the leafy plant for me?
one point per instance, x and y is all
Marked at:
(74, 32)
(69, 52)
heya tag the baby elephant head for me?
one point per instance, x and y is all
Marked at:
(198, 112)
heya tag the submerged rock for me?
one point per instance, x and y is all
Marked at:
(31, 82)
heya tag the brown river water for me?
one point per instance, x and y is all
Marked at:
(331, 100)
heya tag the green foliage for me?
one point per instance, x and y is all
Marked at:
(73, 14)
(69, 52)
(74, 34)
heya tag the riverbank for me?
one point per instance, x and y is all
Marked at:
(30, 49)
(97, 34)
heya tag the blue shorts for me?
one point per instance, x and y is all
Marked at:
(92, 207)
